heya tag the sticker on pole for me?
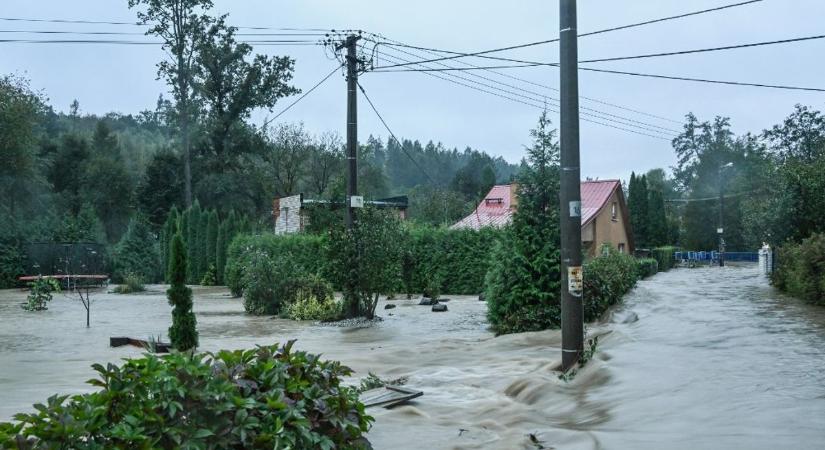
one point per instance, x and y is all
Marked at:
(356, 201)
(575, 283)
(575, 209)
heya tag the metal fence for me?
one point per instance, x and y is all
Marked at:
(713, 256)
(65, 258)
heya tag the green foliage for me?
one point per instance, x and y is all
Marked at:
(637, 204)
(131, 283)
(303, 251)
(657, 233)
(220, 252)
(663, 257)
(170, 228)
(647, 267)
(182, 333)
(800, 269)
(193, 216)
(161, 187)
(137, 252)
(522, 287)
(607, 279)
(313, 300)
(11, 264)
(202, 255)
(274, 282)
(366, 260)
(40, 293)
(269, 397)
(210, 277)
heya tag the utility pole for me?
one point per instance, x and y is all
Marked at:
(352, 126)
(721, 229)
(572, 325)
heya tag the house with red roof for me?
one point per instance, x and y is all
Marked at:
(605, 218)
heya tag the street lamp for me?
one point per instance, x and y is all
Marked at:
(721, 229)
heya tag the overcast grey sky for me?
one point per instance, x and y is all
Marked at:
(122, 78)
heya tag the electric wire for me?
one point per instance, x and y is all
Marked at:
(137, 33)
(523, 63)
(534, 105)
(544, 86)
(104, 22)
(592, 112)
(400, 145)
(592, 33)
(267, 122)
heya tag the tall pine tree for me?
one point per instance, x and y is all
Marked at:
(637, 202)
(657, 233)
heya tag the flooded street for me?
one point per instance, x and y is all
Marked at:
(717, 359)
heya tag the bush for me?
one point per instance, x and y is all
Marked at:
(269, 397)
(272, 283)
(11, 264)
(664, 257)
(312, 308)
(800, 269)
(183, 333)
(607, 279)
(210, 276)
(131, 283)
(303, 251)
(41, 294)
(647, 267)
(137, 253)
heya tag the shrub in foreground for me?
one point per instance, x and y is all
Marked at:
(800, 269)
(269, 397)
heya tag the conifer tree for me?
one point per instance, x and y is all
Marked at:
(522, 287)
(183, 332)
(657, 233)
(203, 248)
(220, 253)
(170, 228)
(194, 214)
(212, 239)
(637, 202)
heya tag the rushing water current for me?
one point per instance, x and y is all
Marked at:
(695, 358)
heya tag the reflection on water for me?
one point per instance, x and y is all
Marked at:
(717, 359)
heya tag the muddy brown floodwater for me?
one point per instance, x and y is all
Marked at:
(717, 359)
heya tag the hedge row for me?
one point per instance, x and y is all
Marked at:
(457, 259)
(800, 269)
(664, 257)
(606, 280)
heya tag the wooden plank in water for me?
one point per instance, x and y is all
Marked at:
(388, 396)
(160, 347)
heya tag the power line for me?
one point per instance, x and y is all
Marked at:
(104, 22)
(375, 110)
(137, 33)
(592, 33)
(290, 42)
(523, 80)
(705, 50)
(594, 112)
(530, 103)
(524, 64)
(303, 96)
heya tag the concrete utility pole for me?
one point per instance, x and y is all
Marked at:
(572, 326)
(352, 126)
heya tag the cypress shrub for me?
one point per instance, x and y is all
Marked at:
(182, 333)
(193, 215)
(202, 254)
(212, 239)
(220, 253)
(170, 228)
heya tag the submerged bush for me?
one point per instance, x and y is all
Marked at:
(273, 283)
(308, 306)
(800, 269)
(607, 279)
(131, 283)
(269, 397)
(41, 293)
(647, 267)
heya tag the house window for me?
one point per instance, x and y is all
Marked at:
(613, 211)
(621, 247)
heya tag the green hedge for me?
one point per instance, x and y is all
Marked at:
(11, 264)
(457, 259)
(664, 257)
(800, 269)
(303, 251)
(606, 280)
(269, 397)
(647, 267)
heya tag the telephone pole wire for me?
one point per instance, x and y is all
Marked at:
(572, 289)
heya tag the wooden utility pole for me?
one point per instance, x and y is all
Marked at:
(352, 126)
(572, 325)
